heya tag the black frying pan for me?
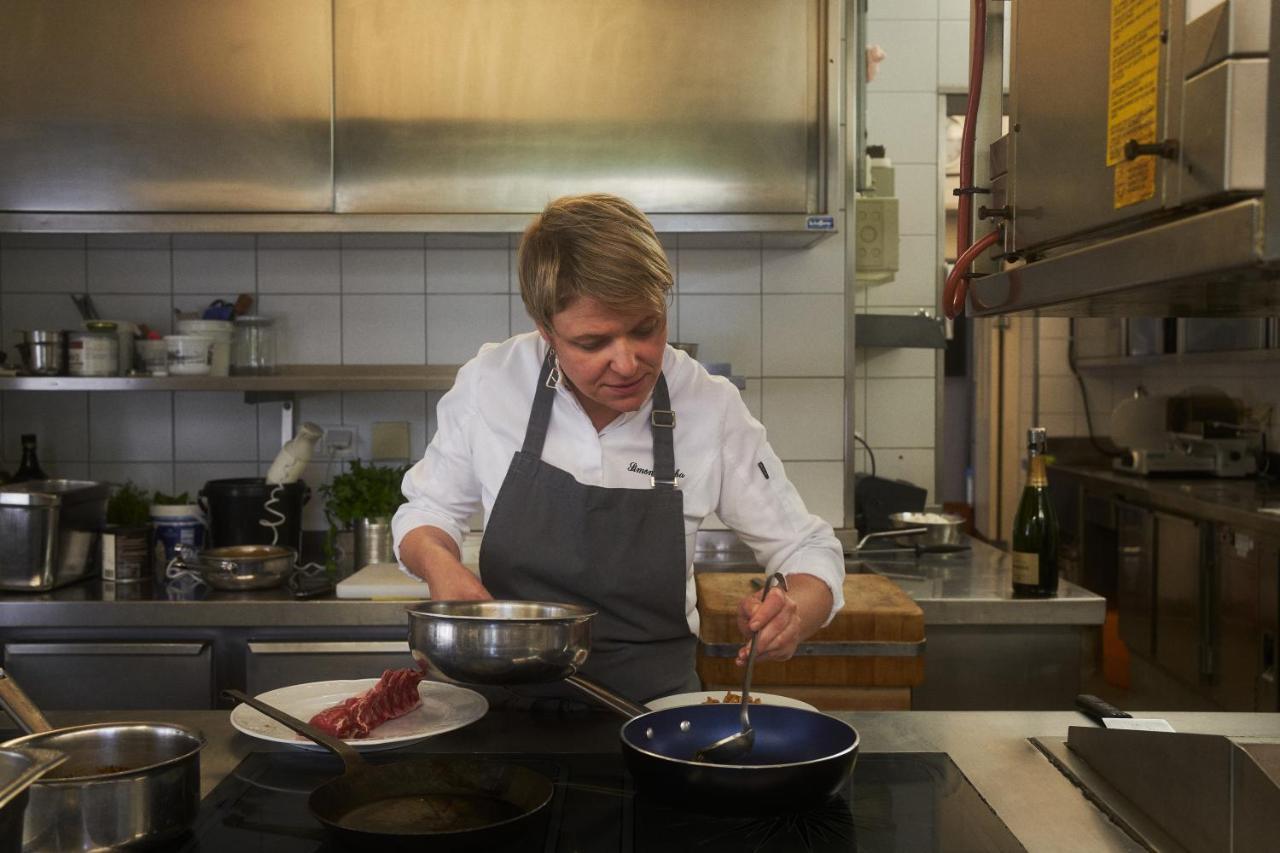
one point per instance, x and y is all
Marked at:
(800, 758)
(451, 803)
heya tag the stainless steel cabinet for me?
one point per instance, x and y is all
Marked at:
(721, 106)
(154, 105)
(269, 665)
(1181, 640)
(1243, 591)
(1136, 578)
(114, 676)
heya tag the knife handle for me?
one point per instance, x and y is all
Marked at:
(1096, 709)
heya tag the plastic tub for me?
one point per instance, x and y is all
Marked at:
(221, 331)
(189, 355)
(153, 356)
(175, 525)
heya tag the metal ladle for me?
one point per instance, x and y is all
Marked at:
(730, 748)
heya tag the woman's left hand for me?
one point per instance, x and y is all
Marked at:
(777, 619)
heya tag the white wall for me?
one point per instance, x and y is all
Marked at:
(776, 314)
(896, 402)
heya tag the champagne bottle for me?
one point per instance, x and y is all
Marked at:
(29, 468)
(1035, 529)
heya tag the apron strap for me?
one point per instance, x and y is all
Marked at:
(662, 422)
(544, 396)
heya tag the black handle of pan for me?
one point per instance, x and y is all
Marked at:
(351, 759)
(1096, 709)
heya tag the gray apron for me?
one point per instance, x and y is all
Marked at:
(618, 551)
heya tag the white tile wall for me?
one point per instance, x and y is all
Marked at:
(804, 335)
(726, 329)
(911, 55)
(720, 271)
(805, 417)
(298, 270)
(384, 329)
(457, 324)
(129, 270)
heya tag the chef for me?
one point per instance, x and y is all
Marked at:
(595, 451)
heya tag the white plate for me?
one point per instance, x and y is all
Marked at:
(679, 700)
(444, 707)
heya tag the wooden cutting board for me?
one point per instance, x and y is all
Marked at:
(875, 610)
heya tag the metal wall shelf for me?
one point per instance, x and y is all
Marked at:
(290, 378)
(1137, 362)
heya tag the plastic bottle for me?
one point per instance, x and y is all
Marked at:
(295, 455)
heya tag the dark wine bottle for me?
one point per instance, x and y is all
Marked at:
(1035, 529)
(29, 468)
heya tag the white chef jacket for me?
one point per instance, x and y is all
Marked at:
(721, 457)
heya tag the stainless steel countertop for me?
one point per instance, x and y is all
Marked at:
(1042, 808)
(975, 587)
(1230, 501)
(967, 588)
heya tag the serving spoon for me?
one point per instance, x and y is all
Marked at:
(729, 749)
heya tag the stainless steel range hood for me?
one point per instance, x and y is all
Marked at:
(1197, 232)
(418, 115)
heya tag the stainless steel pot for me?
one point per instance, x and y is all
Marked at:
(122, 784)
(240, 567)
(43, 352)
(509, 642)
(19, 769)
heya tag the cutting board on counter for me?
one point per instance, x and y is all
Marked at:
(876, 611)
(382, 582)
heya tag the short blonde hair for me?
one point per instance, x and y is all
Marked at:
(592, 245)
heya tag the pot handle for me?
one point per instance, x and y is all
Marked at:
(20, 706)
(351, 759)
(606, 697)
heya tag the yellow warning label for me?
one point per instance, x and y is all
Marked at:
(1133, 89)
(1135, 181)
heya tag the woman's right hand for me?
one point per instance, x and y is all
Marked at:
(432, 555)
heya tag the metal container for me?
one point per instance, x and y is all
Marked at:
(946, 532)
(95, 351)
(241, 567)
(50, 532)
(501, 642)
(373, 543)
(19, 769)
(123, 784)
(43, 352)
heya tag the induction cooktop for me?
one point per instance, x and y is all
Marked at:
(893, 802)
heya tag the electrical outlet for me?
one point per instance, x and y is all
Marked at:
(339, 442)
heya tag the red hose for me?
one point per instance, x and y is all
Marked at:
(957, 289)
(964, 212)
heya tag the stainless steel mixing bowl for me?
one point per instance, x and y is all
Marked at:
(501, 642)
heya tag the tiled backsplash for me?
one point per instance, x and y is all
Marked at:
(776, 314)
(1061, 403)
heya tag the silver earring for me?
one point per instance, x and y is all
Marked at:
(553, 378)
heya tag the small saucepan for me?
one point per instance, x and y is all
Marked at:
(447, 802)
(123, 784)
(799, 759)
(240, 567)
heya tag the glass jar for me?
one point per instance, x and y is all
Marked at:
(95, 351)
(253, 351)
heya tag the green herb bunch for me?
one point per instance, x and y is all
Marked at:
(129, 506)
(366, 491)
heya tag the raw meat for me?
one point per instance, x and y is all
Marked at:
(395, 695)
